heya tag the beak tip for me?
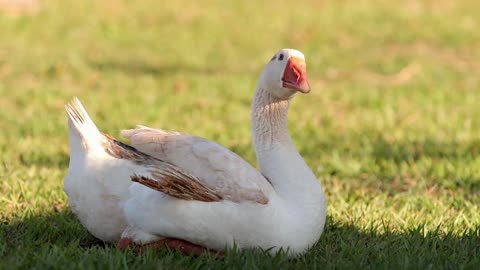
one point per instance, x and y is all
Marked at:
(305, 87)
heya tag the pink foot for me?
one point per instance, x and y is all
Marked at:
(124, 243)
(186, 248)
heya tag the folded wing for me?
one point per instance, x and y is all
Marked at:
(204, 166)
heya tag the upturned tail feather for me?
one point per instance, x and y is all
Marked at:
(80, 122)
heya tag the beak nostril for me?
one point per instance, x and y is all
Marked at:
(297, 74)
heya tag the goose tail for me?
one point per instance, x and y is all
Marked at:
(82, 130)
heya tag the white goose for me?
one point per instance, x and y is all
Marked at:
(181, 191)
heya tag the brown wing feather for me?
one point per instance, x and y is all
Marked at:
(166, 177)
(119, 150)
(216, 167)
(178, 187)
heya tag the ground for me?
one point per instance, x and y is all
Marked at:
(391, 126)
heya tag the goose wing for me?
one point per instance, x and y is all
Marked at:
(199, 165)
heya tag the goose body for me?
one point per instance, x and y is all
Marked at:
(175, 185)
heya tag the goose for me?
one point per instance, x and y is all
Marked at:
(175, 190)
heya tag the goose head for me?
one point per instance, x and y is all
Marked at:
(285, 74)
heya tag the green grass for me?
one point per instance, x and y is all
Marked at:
(391, 127)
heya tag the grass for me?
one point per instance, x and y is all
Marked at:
(391, 127)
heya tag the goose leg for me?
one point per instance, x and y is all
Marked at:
(186, 248)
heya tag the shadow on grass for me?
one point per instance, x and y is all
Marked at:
(56, 228)
(52, 237)
(350, 247)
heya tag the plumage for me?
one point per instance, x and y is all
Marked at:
(217, 167)
(172, 185)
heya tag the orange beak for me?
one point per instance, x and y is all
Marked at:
(295, 75)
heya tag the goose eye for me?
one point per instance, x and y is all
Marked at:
(280, 57)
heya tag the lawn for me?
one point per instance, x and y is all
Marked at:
(391, 127)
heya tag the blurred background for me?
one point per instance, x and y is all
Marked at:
(391, 127)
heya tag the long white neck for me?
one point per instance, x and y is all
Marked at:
(277, 157)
